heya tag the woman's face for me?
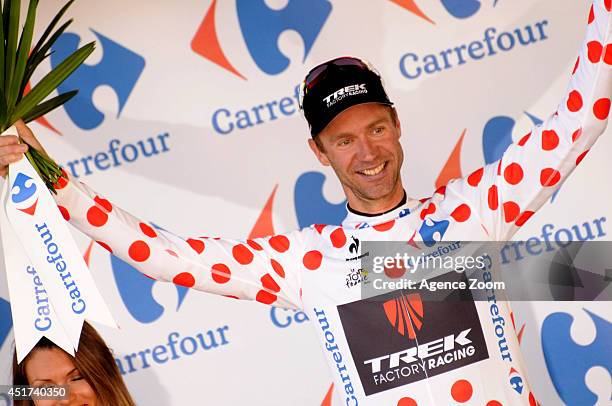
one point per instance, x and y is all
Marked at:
(48, 367)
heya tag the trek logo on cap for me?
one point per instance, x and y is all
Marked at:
(340, 94)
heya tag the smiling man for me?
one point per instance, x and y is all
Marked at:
(396, 349)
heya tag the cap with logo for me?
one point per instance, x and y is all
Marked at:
(334, 86)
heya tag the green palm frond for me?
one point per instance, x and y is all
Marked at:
(19, 60)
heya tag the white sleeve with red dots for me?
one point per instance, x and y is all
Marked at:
(506, 193)
(259, 269)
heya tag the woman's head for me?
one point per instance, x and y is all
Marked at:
(91, 375)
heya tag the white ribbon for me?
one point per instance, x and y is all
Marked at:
(43, 262)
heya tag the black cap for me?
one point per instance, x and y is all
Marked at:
(334, 86)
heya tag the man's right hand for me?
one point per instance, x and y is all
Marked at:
(11, 150)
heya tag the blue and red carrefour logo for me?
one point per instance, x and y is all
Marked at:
(119, 69)
(457, 8)
(516, 381)
(261, 28)
(23, 194)
(569, 362)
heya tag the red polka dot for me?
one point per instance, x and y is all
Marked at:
(265, 297)
(532, 400)
(461, 213)
(221, 273)
(523, 140)
(608, 54)
(278, 268)
(526, 215)
(576, 134)
(65, 213)
(105, 246)
(184, 279)
(197, 245)
(96, 217)
(511, 211)
(493, 403)
(441, 190)
(550, 140)
(242, 254)
(279, 243)
(549, 177)
(254, 245)
(581, 157)
(493, 198)
(269, 283)
(407, 402)
(338, 238)
(312, 260)
(62, 181)
(147, 230)
(574, 101)
(608, 4)
(106, 205)
(591, 15)
(430, 209)
(513, 173)
(475, 177)
(384, 226)
(232, 296)
(601, 108)
(595, 50)
(319, 227)
(174, 254)
(461, 391)
(139, 251)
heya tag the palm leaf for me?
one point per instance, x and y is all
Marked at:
(47, 106)
(37, 57)
(2, 55)
(11, 43)
(3, 113)
(52, 80)
(51, 26)
(22, 54)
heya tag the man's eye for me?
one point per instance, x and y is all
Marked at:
(379, 130)
(344, 142)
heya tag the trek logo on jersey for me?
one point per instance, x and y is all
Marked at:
(405, 313)
(416, 338)
(261, 27)
(344, 92)
(23, 194)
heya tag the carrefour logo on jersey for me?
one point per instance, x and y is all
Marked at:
(261, 27)
(420, 340)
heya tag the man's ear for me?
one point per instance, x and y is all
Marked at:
(321, 156)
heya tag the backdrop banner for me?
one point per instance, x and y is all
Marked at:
(187, 116)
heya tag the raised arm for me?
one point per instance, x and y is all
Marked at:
(506, 193)
(261, 269)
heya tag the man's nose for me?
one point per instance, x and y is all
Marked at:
(367, 149)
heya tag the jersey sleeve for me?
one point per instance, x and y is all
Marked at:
(506, 193)
(259, 269)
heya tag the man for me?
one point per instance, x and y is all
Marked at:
(393, 349)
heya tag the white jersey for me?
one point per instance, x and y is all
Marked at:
(394, 349)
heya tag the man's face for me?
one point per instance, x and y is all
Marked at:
(362, 146)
